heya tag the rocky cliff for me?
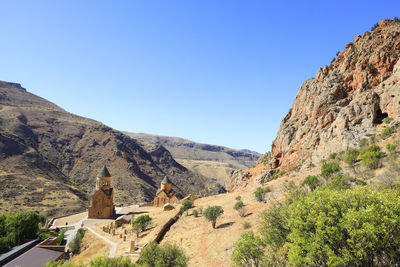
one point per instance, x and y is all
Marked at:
(50, 158)
(346, 101)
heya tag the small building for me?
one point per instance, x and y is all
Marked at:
(35, 256)
(102, 201)
(165, 194)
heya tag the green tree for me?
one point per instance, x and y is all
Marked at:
(311, 181)
(212, 213)
(186, 205)
(351, 155)
(60, 236)
(239, 207)
(15, 227)
(169, 255)
(370, 157)
(328, 168)
(136, 228)
(248, 251)
(144, 221)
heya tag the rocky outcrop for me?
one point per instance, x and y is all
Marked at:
(345, 101)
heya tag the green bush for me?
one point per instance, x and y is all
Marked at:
(360, 182)
(328, 168)
(311, 181)
(387, 131)
(248, 251)
(333, 155)
(75, 245)
(370, 157)
(387, 120)
(354, 227)
(391, 147)
(239, 207)
(195, 213)
(60, 236)
(212, 213)
(363, 142)
(351, 156)
(281, 173)
(259, 194)
(169, 255)
(105, 261)
(337, 182)
(186, 205)
(238, 198)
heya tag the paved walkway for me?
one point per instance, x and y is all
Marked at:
(114, 246)
(70, 234)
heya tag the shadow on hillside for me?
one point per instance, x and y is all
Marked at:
(224, 225)
(137, 212)
(248, 214)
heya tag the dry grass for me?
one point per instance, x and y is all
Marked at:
(91, 247)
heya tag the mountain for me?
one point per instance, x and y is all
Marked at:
(344, 103)
(209, 160)
(49, 159)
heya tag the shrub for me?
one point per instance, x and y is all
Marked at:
(238, 198)
(60, 236)
(363, 142)
(355, 227)
(312, 165)
(351, 156)
(195, 213)
(248, 251)
(360, 182)
(169, 255)
(387, 120)
(239, 207)
(260, 194)
(371, 68)
(391, 147)
(337, 182)
(246, 225)
(370, 157)
(387, 131)
(328, 168)
(186, 205)
(281, 173)
(104, 261)
(372, 139)
(212, 213)
(311, 181)
(333, 155)
(75, 245)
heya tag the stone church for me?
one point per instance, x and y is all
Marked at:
(165, 194)
(102, 201)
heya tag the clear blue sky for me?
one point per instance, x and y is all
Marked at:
(218, 72)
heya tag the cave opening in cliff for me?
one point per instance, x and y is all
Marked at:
(380, 116)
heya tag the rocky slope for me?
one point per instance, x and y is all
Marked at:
(346, 101)
(209, 160)
(50, 158)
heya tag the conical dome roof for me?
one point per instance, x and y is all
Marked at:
(166, 180)
(104, 172)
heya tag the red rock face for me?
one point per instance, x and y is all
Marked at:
(345, 101)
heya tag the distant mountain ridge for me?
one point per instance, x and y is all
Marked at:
(212, 161)
(49, 159)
